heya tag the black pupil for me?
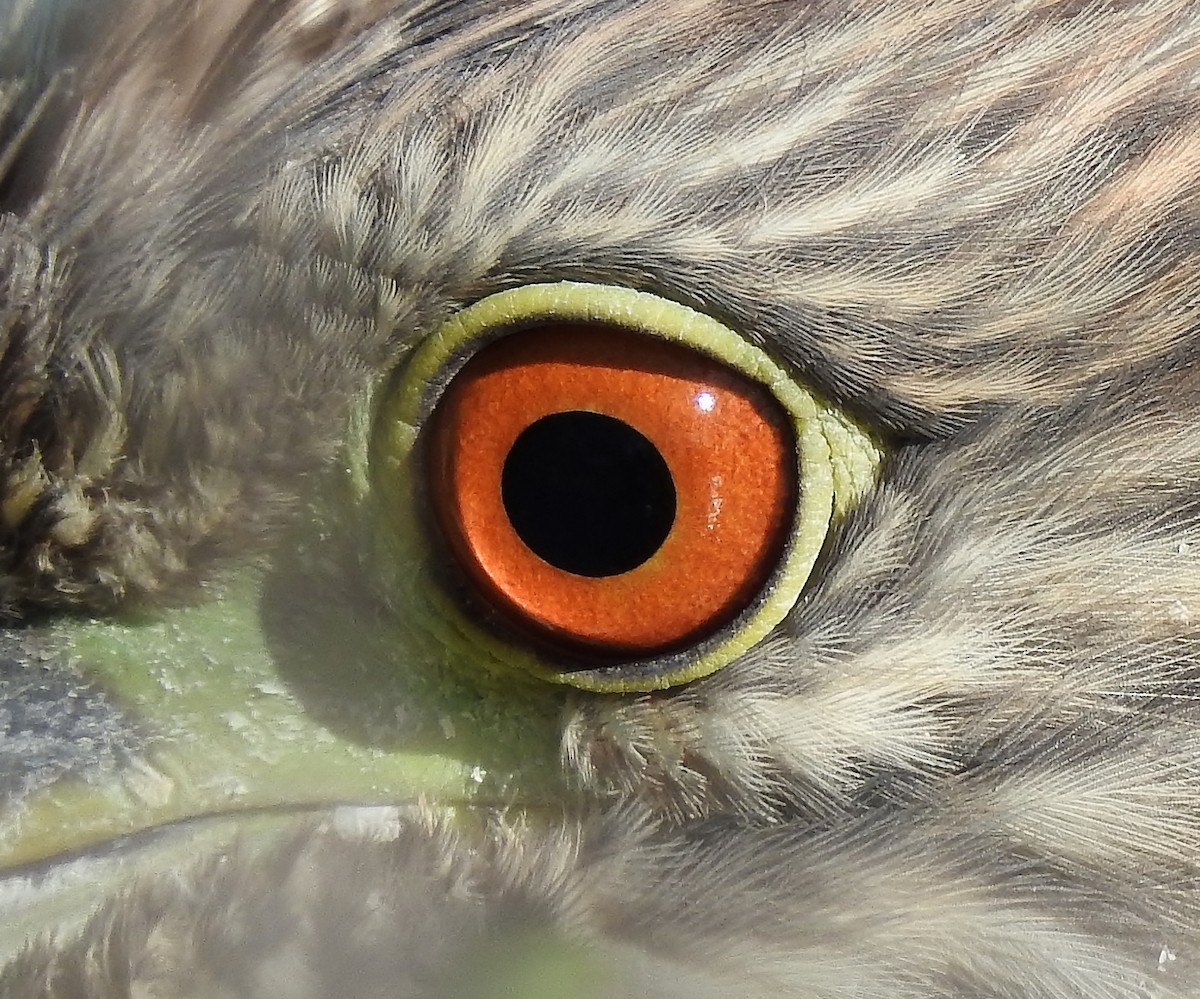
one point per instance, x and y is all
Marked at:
(588, 493)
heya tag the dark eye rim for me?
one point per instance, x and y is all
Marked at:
(401, 407)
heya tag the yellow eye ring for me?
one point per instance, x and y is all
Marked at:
(834, 462)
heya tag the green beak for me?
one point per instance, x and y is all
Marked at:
(272, 702)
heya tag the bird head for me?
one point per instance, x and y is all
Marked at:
(616, 498)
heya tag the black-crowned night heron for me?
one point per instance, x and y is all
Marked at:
(672, 497)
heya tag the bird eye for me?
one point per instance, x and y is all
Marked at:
(611, 493)
(629, 493)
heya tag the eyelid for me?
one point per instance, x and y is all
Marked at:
(836, 457)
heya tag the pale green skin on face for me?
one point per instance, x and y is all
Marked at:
(341, 673)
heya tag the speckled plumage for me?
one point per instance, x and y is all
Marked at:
(968, 763)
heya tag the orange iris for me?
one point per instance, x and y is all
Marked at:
(609, 492)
